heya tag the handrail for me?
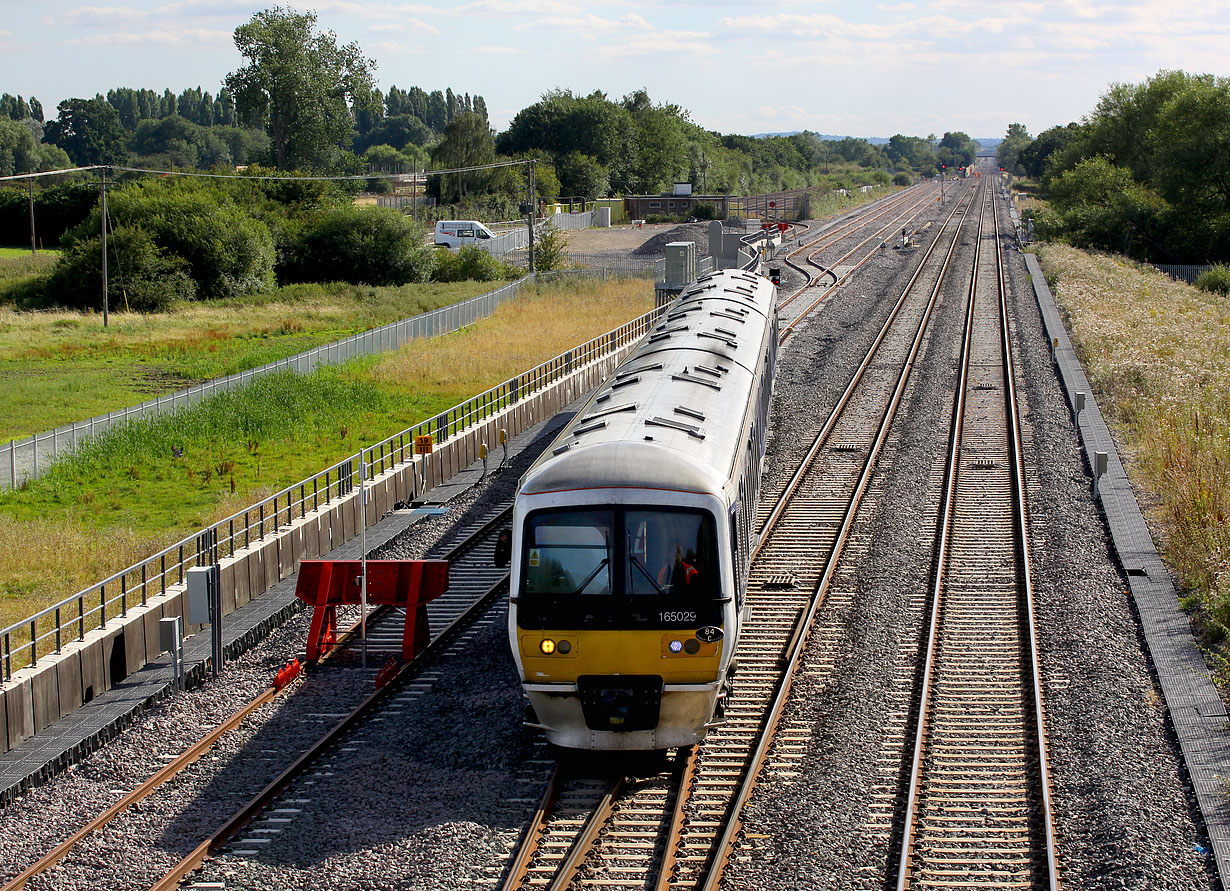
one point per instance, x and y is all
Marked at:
(243, 528)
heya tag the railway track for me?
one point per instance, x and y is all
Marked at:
(675, 829)
(840, 269)
(474, 582)
(977, 803)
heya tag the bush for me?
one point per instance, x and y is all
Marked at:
(56, 209)
(704, 211)
(1216, 279)
(228, 251)
(472, 263)
(551, 251)
(141, 277)
(369, 246)
(902, 179)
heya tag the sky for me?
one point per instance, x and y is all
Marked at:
(835, 67)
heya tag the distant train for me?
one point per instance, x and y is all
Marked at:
(632, 533)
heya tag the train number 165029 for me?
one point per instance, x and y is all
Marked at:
(678, 616)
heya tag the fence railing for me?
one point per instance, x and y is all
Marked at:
(506, 242)
(637, 267)
(567, 221)
(1187, 272)
(49, 629)
(30, 456)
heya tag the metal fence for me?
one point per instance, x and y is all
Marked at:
(634, 267)
(567, 221)
(94, 606)
(506, 242)
(1187, 272)
(29, 457)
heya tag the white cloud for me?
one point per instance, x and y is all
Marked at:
(158, 37)
(488, 50)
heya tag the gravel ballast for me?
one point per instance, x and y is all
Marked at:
(435, 793)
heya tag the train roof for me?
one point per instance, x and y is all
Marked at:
(670, 416)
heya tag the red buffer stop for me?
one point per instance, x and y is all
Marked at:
(411, 584)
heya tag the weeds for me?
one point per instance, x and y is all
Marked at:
(1157, 353)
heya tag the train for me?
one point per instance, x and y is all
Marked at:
(632, 533)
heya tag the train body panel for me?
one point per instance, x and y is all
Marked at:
(631, 534)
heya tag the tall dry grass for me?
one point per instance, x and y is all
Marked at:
(1157, 353)
(537, 326)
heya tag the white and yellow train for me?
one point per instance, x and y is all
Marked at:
(632, 532)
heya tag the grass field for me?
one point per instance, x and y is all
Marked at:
(60, 367)
(127, 495)
(18, 263)
(1157, 353)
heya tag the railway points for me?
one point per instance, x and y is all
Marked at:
(469, 778)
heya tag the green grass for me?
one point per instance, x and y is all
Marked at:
(126, 495)
(18, 264)
(60, 367)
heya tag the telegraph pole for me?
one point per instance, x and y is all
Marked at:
(104, 245)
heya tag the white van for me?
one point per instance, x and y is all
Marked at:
(455, 233)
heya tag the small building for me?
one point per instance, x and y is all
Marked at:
(639, 207)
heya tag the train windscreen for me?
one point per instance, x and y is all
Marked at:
(614, 566)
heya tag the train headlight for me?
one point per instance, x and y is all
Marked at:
(676, 646)
(563, 648)
(547, 646)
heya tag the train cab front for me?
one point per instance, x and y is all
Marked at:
(619, 624)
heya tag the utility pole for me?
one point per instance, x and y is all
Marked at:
(104, 245)
(529, 204)
(33, 248)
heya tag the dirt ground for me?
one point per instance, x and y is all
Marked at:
(622, 239)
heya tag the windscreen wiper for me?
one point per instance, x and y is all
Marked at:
(589, 578)
(649, 578)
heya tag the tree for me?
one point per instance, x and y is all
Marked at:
(299, 84)
(89, 130)
(1009, 152)
(582, 176)
(1035, 156)
(19, 153)
(467, 142)
(1099, 205)
(956, 150)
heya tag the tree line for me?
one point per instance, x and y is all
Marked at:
(1146, 173)
(303, 101)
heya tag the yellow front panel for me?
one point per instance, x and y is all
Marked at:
(617, 652)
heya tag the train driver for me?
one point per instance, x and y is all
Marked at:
(676, 574)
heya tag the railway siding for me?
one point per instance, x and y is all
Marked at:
(1196, 709)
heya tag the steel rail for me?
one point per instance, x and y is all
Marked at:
(789, 329)
(1021, 559)
(851, 387)
(831, 236)
(533, 833)
(143, 791)
(1021, 519)
(948, 497)
(791, 657)
(252, 809)
(687, 772)
(588, 836)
